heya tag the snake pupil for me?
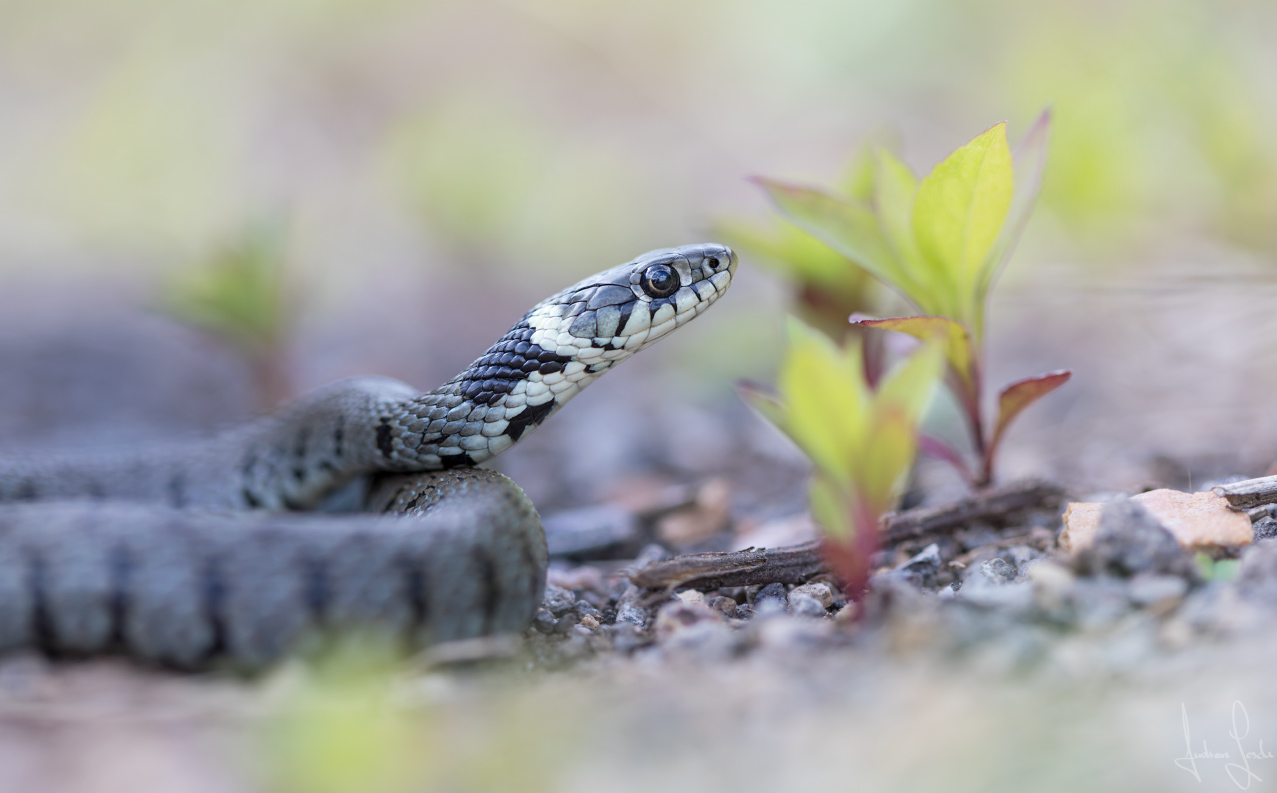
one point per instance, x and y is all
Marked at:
(660, 280)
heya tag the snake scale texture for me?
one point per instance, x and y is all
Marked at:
(227, 551)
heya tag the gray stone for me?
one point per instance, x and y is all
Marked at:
(558, 601)
(1160, 592)
(1130, 541)
(591, 532)
(771, 598)
(1265, 528)
(821, 592)
(631, 614)
(922, 569)
(802, 604)
(1099, 602)
(998, 571)
(544, 621)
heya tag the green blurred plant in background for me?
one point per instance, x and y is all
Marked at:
(241, 294)
(941, 242)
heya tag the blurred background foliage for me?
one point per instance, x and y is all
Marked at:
(556, 133)
(428, 151)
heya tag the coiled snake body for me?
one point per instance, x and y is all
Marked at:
(195, 554)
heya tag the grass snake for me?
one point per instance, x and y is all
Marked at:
(224, 551)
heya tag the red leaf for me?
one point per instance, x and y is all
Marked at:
(1018, 396)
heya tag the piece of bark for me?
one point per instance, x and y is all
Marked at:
(1249, 493)
(792, 565)
(993, 505)
(795, 564)
(1198, 521)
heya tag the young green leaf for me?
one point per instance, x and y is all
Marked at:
(826, 399)
(791, 250)
(849, 227)
(959, 212)
(895, 189)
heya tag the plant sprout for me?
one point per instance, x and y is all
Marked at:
(862, 439)
(240, 294)
(941, 243)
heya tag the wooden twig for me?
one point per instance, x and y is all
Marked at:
(790, 565)
(1249, 493)
(996, 504)
(797, 563)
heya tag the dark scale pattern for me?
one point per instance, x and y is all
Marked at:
(507, 362)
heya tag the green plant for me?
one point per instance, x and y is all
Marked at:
(941, 242)
(828, 286)
(240, 294)
(862, 439)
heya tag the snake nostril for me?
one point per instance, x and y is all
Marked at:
(712, 262)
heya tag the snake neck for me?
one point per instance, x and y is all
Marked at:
(558, 348)
(494, 403)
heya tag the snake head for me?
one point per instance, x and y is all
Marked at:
(630, 306)
(562, 345)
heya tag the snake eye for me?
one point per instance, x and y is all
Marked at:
(660, 280)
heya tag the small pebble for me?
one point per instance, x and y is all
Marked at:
(692, 597)
(724, 604)
(558, 600)
(998, 571)
(821, 592)
(544, 621)
(1160, 593)
(805, 605)
(771, 598)
(1265, 529)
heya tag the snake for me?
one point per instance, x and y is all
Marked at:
(359, 508)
